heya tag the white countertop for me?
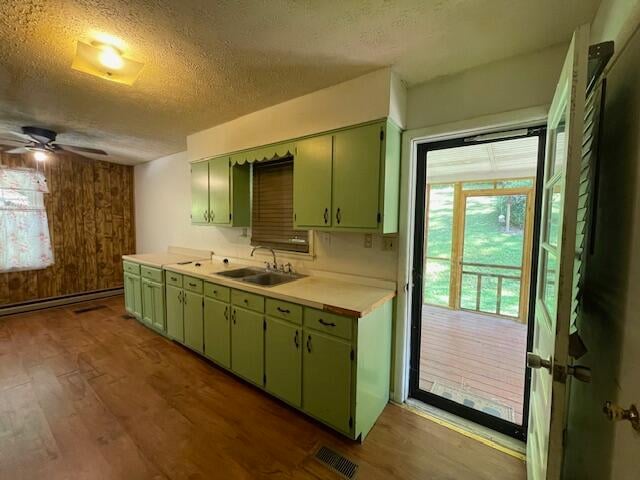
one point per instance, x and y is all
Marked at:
(159, 260)
(329, 294)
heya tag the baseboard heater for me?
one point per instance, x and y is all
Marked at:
(33, 305)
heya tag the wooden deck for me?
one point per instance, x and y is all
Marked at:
(474, 354)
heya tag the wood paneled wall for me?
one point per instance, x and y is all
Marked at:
(90, 212)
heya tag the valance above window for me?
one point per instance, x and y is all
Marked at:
(263, 154)
(25, 243)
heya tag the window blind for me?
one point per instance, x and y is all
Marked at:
(272, 208)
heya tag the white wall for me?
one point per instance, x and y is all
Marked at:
(511, 84)
(356, 101)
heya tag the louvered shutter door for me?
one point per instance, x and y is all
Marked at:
(585, 201)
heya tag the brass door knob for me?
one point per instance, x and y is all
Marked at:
(617, 413)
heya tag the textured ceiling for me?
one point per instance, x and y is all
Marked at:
(207, 62)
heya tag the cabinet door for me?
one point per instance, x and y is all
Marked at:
(283, 360)
(200, 192)
(136, 289)
(247, 344)
(147, 302)
(193, 321)
(175, 313)
(219, 190)
(312, 182)
(217, 331)
(356, 177)
(129, 302)
(326, 379)
(157, 291)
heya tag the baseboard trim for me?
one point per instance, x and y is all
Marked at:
(58, 301)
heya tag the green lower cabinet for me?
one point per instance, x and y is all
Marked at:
(247, 345)
(217, 331)
(175, 313)
(193, 321)
(133, 295)
(283, 360)
(153, 304)
(326, 379)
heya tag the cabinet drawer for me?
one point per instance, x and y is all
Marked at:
(151, 273)
(131, 268)
(192, 284)
(328, 322)
(216, 291)
(247, 300)
(173, 278)
(284, 310)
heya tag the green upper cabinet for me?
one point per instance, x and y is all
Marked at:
(312, 182)
(200, 192)
(356, 177)
(219, 189)
(349, 180)
(220, 193)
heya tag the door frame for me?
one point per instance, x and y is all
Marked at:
(415, 312)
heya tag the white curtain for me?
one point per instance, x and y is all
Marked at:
(25, 243)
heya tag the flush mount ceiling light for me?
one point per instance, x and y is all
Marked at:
(106, 60)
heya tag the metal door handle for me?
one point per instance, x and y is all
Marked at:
(326, 216)
(615, 412)
(295, 340)
(212, 215)
(226, 313)
(534, 361)
(206, 215)
(338, 216)
(309, 344)
(233, 315)
(283, 310)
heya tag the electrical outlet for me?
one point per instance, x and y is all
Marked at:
(388, 243)
(368, 240)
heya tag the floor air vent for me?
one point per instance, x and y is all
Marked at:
(336, 462)
(89, 309)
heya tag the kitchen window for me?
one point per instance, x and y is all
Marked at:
(272, 208)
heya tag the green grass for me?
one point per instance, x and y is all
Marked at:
(485, 241)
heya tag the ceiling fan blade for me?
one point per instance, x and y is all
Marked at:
(22, 136)
(74, 148)
(16, 150)
(11, 142)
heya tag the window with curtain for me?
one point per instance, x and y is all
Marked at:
(272, 208)
(25, 243)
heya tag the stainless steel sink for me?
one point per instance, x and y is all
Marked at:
(271, 279)
(259, 276)
(240, 272)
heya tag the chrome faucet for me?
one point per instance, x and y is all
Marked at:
(273, 252)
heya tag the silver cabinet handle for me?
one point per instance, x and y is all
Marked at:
(226, 313)
(295, 340)
(309, 344)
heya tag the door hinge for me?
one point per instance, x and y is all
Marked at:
(294, 217)
(264, 325)
(264, 379)
(353, 354)
(379, 217)
(350, 422)
(381, 135)
(203, 301)
(229, 216)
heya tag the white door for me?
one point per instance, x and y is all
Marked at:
(554, 296)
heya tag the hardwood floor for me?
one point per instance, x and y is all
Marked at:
(96, 395)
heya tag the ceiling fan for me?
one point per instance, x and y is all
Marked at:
(41, 141)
